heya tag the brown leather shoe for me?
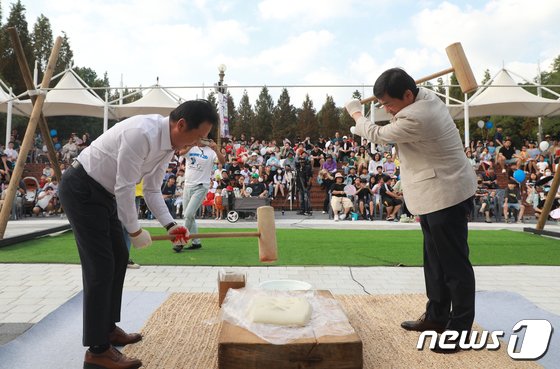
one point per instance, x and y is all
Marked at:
(118, 337)
(110, 359)
(422, 324)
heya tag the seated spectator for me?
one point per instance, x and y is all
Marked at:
(11, 152)
(364, 175)
(48, 171)
(351, 177)
(339, 201)
(362, 159)
(541, 164)
(208, 204)
(344, 149)
(488, 204)
(391, 200)
(375, 162)
(505, 156)
(279, 183)
(168, 192)
(472, 159)
(317, 157)
(485, 160)
(389, 167)
(489, 179)
(512, 200)
(44, 201)
(69, 151)
(290, 160)
(273, 162)
(289, 181)
(254, 159)
(258, 188)
(522, 158)
(330, 165)
(325, 180)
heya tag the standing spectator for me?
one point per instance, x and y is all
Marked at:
(200, 160)
(325, 180)
(304, 177)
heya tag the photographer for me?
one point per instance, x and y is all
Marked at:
(304, 176)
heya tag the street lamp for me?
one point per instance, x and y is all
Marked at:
(221, 90)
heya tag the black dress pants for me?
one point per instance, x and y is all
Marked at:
(92, 212)
(449, 276)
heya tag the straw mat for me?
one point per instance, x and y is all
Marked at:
(178, 335)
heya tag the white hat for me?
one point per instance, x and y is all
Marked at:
(254, 154)
(344, 137)
(338, 175)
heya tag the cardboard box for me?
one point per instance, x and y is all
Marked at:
(240, 349)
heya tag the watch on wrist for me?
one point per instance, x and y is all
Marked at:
(170, 225)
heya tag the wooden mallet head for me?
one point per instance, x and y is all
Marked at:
(268, 251)
(459, 64)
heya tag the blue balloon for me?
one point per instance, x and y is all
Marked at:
(519, 175)
(489, 125)
(53, 132)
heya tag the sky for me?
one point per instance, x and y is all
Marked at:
(297, 42)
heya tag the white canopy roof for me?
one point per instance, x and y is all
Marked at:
(514, 100)
(157, 100)
(72, 97)
(20, 107)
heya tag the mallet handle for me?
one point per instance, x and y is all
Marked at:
(423, 79)
(209, 235)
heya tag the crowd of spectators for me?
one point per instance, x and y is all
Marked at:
(359, 180)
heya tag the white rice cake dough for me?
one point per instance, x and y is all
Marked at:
(289, 311)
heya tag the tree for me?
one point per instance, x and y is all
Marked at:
(42, 43)
(9, 67)
(345, 119)
(264, 107)
(552, 125)
(486, 77)
(65, 56)
(328, 118)
(232, 113)
(285, 119)
(307, 124)
(245, 118)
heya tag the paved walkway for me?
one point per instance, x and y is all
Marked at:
(28, 292)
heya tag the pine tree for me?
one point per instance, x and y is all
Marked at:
(307, 124)
(284, 121)
(245, 118)
(65, 56)
(232, 113)
(262, 124)
(486, 77)
(42, 42)
(9, 67)
(328, 118)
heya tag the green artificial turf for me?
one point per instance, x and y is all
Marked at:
(309, 247)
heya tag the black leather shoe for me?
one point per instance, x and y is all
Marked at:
(422, 324)
(452, 350)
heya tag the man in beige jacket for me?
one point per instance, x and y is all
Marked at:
(438, 184)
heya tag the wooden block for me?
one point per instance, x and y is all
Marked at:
(227, 281)
(240, 349)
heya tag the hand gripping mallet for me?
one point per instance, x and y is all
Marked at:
(459, 64)
(266, 233)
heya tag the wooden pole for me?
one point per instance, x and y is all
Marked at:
(27, 140)
(30, 85)
(549, 200)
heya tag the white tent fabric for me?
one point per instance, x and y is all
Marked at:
(512, 101)
(71, 97)
(156, 100)
(19, 107)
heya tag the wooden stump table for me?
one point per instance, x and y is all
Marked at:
(240, 349)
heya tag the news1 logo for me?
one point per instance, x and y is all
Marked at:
(538, 333)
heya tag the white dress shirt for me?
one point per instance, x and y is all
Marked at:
(136, 148)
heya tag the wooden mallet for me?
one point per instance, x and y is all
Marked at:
(266, 233)
(459, 64)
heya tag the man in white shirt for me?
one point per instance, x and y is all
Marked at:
(98, 195)
(199, 168)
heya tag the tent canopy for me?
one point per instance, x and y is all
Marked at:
(511, 100)
(157, 100)
(72, 97)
